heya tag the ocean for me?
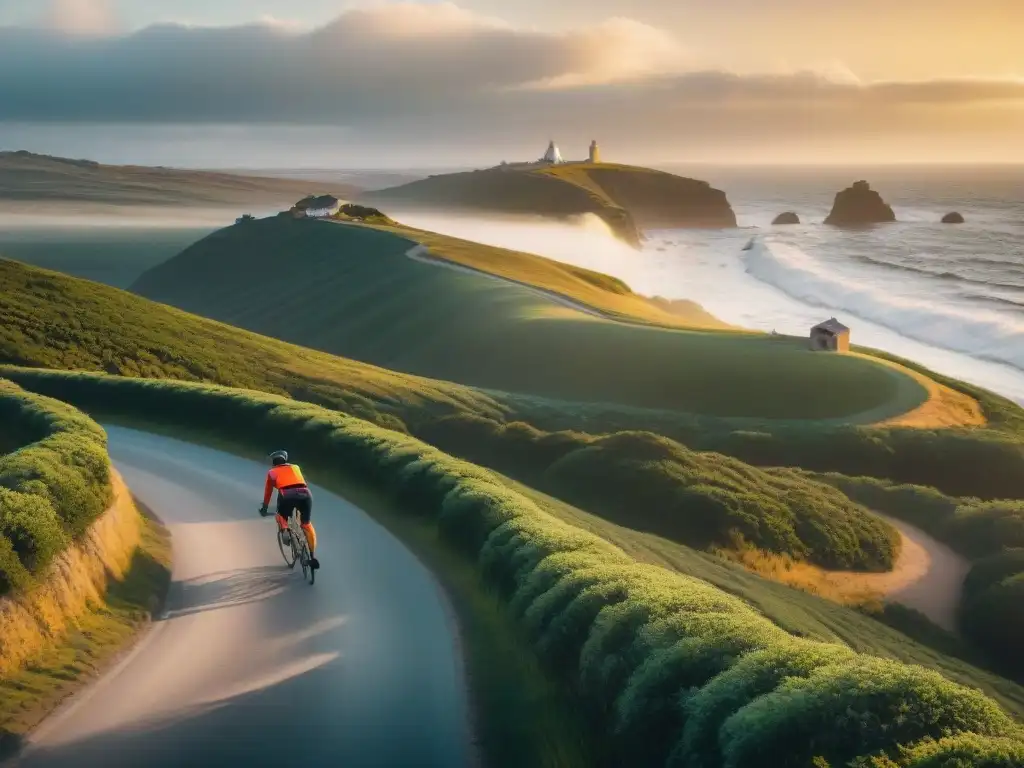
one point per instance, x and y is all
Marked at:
(948, 296)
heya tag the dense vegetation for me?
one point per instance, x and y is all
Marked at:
(52, 487)
(649, 653)
(989, 533)
(650, 483)
(354, 293)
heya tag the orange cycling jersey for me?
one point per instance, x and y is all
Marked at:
(281, 477)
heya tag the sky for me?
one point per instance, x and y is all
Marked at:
(421, 83)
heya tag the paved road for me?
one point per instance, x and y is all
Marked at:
(252, 666)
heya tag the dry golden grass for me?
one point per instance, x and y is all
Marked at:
(78, 579)
(944, 408)
(783, 569)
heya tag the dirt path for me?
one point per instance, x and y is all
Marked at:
(928, 576)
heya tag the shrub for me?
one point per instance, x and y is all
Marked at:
(993, 569)
(756, 674)
(965, 750)
(992, 618)
(52, 488)
(704, 500)
(844, 711)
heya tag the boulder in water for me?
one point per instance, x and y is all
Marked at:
(786, 218)
(953, 218)
(857, 205)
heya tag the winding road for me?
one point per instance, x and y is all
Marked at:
(252, 666)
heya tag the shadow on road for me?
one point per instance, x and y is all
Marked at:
(227, 589)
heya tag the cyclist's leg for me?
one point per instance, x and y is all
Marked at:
(284, 511)
(304, 506)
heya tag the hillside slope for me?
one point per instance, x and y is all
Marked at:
(51, 321)
(628, 198)
(29, 177)
(353, 292)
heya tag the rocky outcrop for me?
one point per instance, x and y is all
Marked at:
(786, 218)
(858, 205)
(953, 218)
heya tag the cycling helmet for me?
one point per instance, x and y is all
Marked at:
(279, 457)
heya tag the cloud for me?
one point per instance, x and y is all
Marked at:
(81, 17)
(434, 73)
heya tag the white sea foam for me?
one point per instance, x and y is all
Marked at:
(980, 333)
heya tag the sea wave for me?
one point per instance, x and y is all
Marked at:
(983, 334)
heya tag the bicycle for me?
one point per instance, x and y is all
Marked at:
(297, 546)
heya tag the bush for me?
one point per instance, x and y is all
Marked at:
(650, 653)
(846, 710)
(755, 675)
(704, 500)
(966, 750)
(992, 618)
(52, 488)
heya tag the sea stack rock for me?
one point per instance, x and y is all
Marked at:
(953, 218)
(857, 205)
(786, 218)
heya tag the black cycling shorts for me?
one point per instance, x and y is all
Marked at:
(300, 499)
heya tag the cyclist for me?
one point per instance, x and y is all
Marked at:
(293, 495)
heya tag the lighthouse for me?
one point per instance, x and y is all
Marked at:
(552, 156)
(595, 153)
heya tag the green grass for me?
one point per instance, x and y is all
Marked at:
(96, 639)
(633, 643)
(352, 292)
(50, 320)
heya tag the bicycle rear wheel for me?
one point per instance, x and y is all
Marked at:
(287, 550)
(308, 572)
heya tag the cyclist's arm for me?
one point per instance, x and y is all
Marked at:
(268, 490)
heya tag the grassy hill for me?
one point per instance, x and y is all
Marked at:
(53, 321)
(628, 198)
(352, 291)
(32, 178)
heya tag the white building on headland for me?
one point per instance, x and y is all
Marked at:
(317, 206)
(552, 156)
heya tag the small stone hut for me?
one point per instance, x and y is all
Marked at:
(830, 336)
